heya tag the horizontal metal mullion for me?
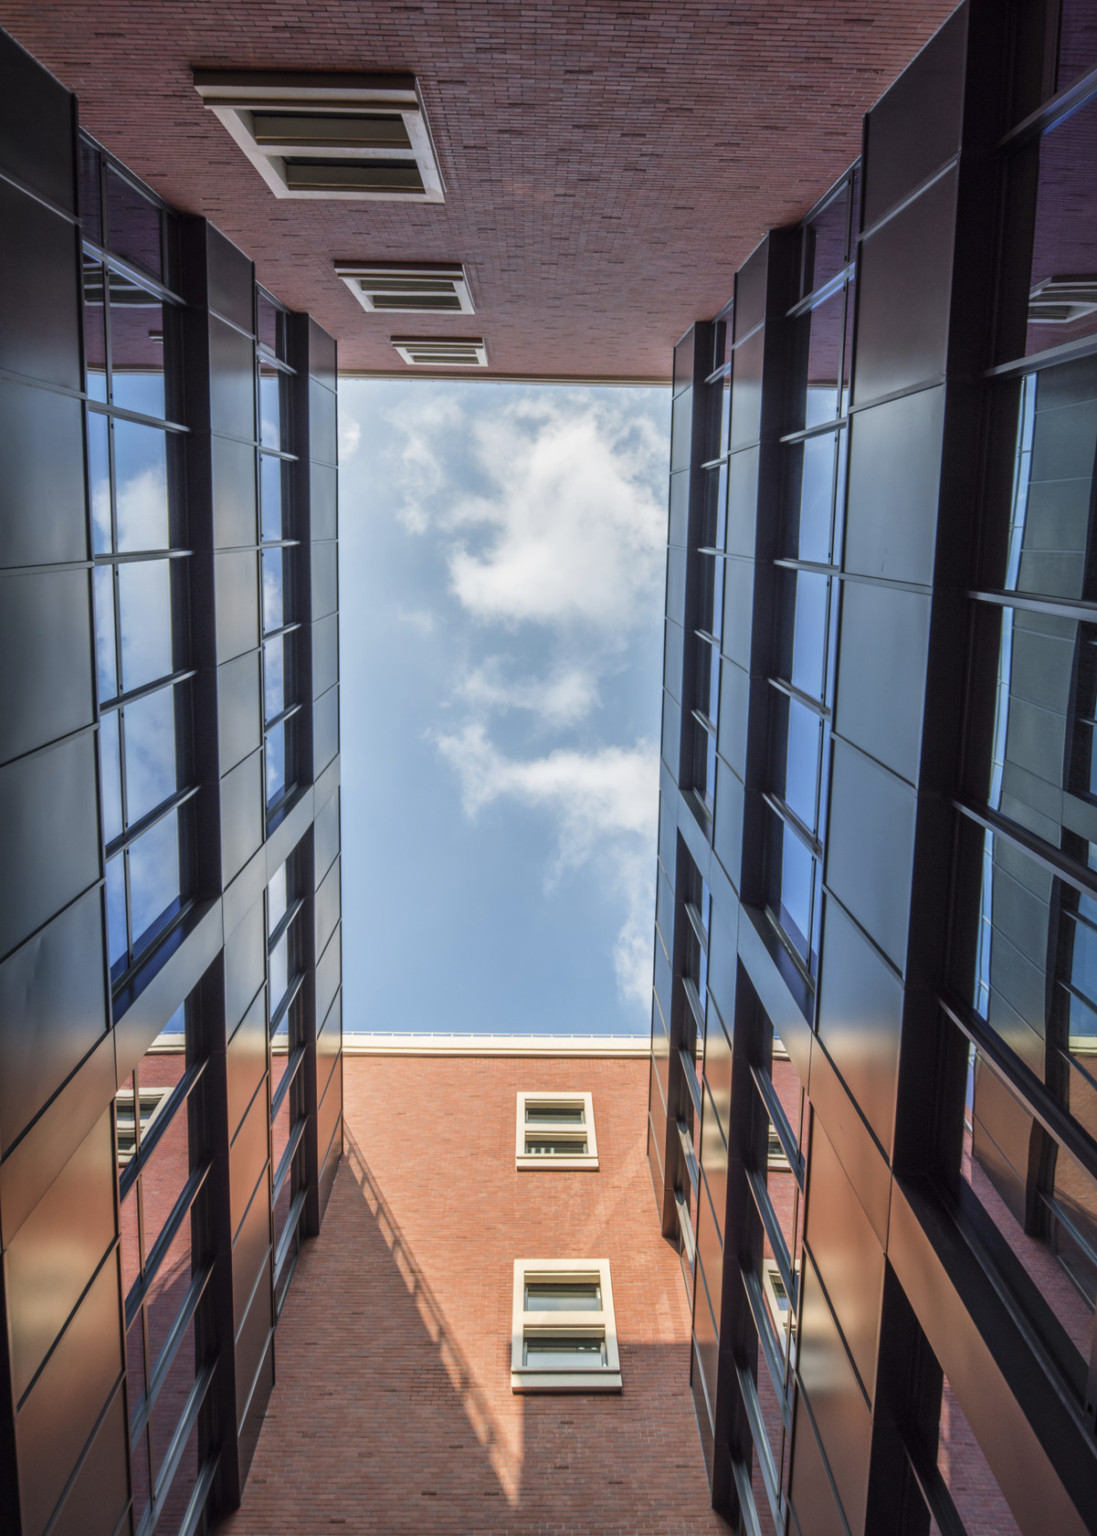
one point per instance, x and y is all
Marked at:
(149, 1140)
(277, 720)
(296, 1057)
(285, 1163)
(193, 1297)
(1023, 1084)
(284, 922)
(821, 294)
(165, 808)
(777, 1242)
(1050, 113)
(818, 429)
(122, 699)
(285, 1242)
(123, 413)
(291, 995)
(790, 819)
(1054, 607)
(1051, 859)
(790, 691)
(137, 275)
(764, 1328)
(178, 1445)
(775, 1110)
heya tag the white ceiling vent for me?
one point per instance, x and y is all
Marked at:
(407, 286)
(442, 352)
(1059, 300)
(328, 136)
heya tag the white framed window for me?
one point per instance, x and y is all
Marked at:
(442, 351)
(398, 287)
(555, 1130)
(133, 1112)
(563, 1331)
(343, 136)
(776, 1296)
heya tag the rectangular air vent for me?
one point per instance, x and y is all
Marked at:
(328, 136)
(407, 287)
(442, 351)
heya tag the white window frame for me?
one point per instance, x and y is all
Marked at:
(437, 279)
(439, 351)
(234, 96)
(587, 1160)
(601, 1324)
(144, 1109)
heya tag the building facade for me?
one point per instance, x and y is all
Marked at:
(873, 1100)
(171, 1087)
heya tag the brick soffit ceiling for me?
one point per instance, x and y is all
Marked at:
(607, 167)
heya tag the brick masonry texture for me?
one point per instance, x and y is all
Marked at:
(607, 165)
(392, 1411)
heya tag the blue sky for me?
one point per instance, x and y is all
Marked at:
(502, 553)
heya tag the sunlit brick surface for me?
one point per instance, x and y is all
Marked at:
(392, 1411)
(607, 165)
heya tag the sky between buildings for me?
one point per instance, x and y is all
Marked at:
(502, 553)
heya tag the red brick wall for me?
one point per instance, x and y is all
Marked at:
(608, 166)
(392, 1411)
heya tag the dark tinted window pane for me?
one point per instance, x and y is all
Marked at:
(144, 595)
(136, 348)
(1077, 41)
(154, 879)
(809, 499)
(825, 243)
(105, 648)
(271, 326)
(141, 480)
(1041, 540)
(99, 482)
(149, 726)
(133, 224)
(819, 360)
(170, 1402)
(1063, 285)
(110, 769)
(90, 205)
(95, 342)
(271, 489)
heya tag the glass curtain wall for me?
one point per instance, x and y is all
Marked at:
(133, 376)
(285, 1015)
(163, 1167)
(1020, 1016)
(814, 452)
(281, 694)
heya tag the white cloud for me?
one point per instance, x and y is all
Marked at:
(573, 529)
(420, 619)
(566, 696)
(605, 804)
(423, 472)
(350, 435)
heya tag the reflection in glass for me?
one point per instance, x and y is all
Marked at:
(825, 243)
(154, 879)
(1062, 304)
(271, 488)
(99, 482)
(276, 762)
(90, 199)
(270, 324)
(106, 657)
(116, 911)
(110, 774)
(273, 595)
(133, 224)
(95, 337)
(802, 636)
(136, 348)
(819, 345)
(276, 899)
(149, 726)
(790, 880)
(141, 478)
(1077, 41)
(710, 601)
(279, 972)
(271, 408)
(966, 1474)
(809, 499)
(274, 682)
(795, 757)
(144, 594)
